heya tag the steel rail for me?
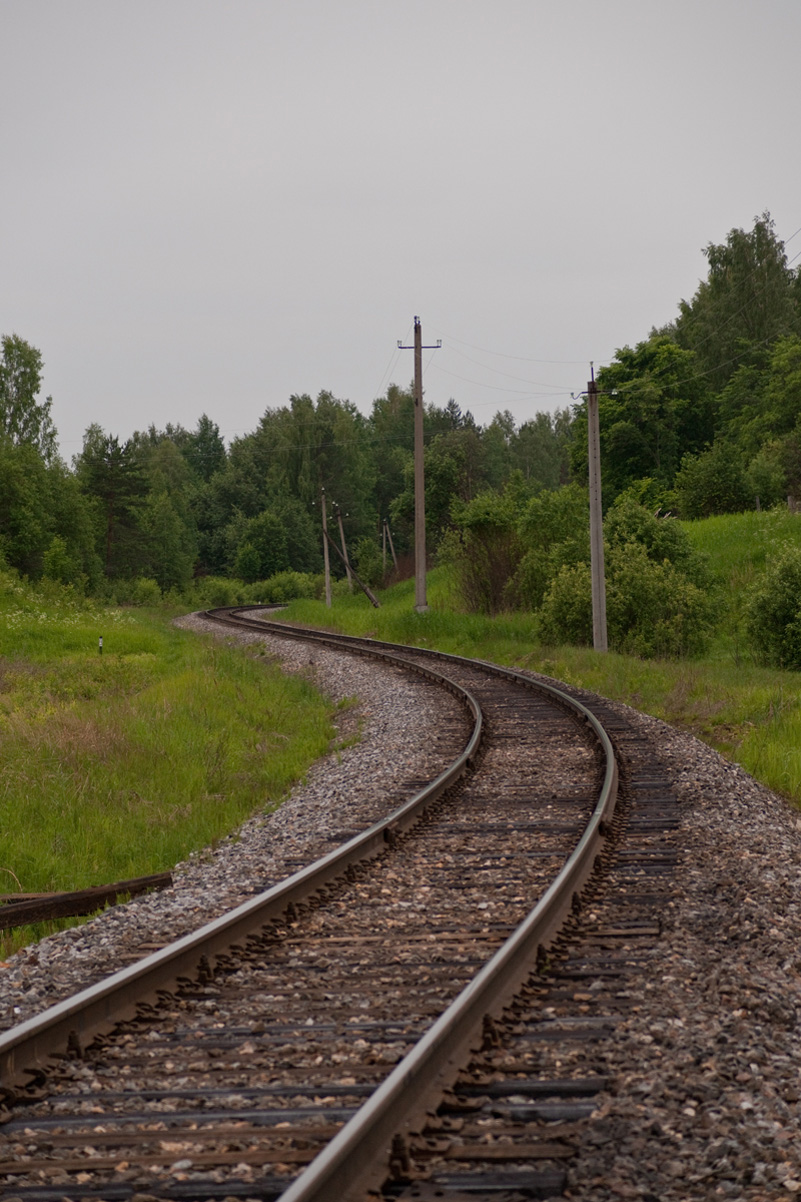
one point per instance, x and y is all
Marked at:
(350, 1164)
(99, 1007)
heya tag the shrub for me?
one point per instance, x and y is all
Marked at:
(58, 564)
(284, 586)
(566, 612)
(213, 592)
(713, 482)
(485, 550)
(652, 609)
(141, 591)
(368, 562)
(773, 610)
(554, 533)
(663, 538)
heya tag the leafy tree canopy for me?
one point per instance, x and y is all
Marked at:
(748, 300)
(23, 419)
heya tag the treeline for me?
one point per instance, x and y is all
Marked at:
(702, 417)
(172, 506)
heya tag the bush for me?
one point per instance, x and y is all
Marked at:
(284, 586)
(773, 610)
(554, 533)
(652, 609)
(59, 565)
(213, 592)
(713, 482)
(484, 549)
(142, 591)
(566, 612)
(662, 537)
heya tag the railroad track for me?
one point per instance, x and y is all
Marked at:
(428, 1011)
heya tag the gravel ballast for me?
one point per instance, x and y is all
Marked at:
(345, 792)
(706, 1099)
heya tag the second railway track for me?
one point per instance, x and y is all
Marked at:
(247, 1064)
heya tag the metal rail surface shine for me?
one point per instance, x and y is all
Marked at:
(348, 1165)
(98, 1008)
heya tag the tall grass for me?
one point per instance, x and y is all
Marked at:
(118, 765)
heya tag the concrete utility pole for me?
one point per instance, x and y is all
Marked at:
(326, 562)
(420, 603)
(596, 519)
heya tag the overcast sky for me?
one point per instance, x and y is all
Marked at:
(209, 205)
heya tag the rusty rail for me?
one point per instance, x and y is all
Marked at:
(19, 910)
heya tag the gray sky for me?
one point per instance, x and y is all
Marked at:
(209, 205)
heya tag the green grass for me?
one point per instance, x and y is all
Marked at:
(736, 547)
(119, 765)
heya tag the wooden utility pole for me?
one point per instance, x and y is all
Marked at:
(391, 544)
(420, 603)
(367, 591)
(596, 519)
(326, 562)
(345, 559)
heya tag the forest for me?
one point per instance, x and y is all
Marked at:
(701, 418)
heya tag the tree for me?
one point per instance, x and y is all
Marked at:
(171, 546)
(112, 475)
(266, 536)
(26, 518)
(653, 407)
(23, 419)
(204, 449)
(541, 449)
(748, 300)
(391, 432)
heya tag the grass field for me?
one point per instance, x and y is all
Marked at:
(118, 765)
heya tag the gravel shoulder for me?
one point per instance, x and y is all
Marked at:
(707, 1101)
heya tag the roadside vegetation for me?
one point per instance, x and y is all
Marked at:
(745, 707)
(118, 765)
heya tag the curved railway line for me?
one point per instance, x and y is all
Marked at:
(428, 1011)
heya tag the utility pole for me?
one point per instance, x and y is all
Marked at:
(326, 562)
(344, 549)
(596, 519)
(420, 603)
(388, 535)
